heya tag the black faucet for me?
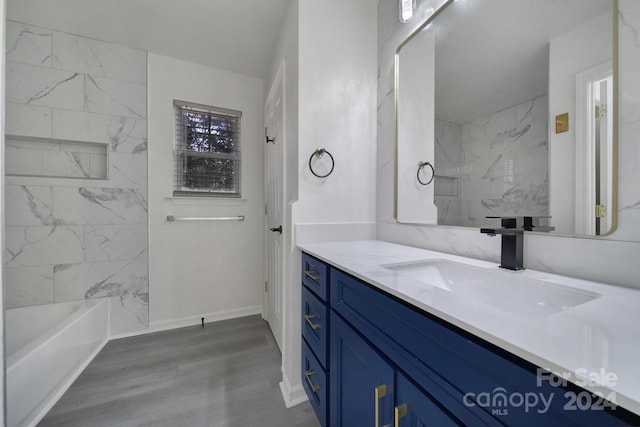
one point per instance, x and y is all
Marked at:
(512, 232)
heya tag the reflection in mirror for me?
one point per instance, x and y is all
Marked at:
(523, 113)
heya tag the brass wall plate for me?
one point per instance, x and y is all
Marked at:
(562, 123)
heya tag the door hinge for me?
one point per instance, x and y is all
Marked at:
(266, 137)
(266, 286)
(601, 111)
(601, 211)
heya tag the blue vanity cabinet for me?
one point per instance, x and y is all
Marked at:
(414, 407)
(315, 335)
(361, 380)
(470, 381)
(379, 356)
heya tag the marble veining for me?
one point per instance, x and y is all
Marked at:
(124, 134)
(43, 245)
(77, 202)
(30, 205)
(115, 242)
(28, 44)
(98, 58)
(499, 162)
(83, 206)
(29, 84)
(115, 97)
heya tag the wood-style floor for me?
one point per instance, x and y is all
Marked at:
(223, 375)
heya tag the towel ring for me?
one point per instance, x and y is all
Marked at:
(319, 153)
(422, 165)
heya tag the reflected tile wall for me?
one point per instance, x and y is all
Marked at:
(499, 164)
(74, 238)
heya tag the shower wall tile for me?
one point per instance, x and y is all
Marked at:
(99, 206)
(27, 120)
(124, 134)
(41, 181)
(115, 242)
(28, 205)
(129, 313)
(28, 44)
(28, 286)
(115, 97)
(127, 170)
(84, 230)
(100, 279)
(50, 163)
(43, 245)
(46, 87)
(98, 58)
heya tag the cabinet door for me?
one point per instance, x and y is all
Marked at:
(415, 408)
(361, 380)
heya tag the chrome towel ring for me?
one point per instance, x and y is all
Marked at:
(319, 153)
(422, 165)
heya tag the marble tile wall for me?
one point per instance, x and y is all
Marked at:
(77, 236)
(610, 259)
(499, 163)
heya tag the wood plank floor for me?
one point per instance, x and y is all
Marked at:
(223, 375)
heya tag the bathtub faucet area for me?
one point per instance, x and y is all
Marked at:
(512, 232)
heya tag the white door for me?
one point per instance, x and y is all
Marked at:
(274, 205)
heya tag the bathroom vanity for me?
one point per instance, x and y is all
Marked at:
(401, 336)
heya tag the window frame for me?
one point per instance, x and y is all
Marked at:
(180, 149)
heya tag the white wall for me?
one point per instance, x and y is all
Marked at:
(3, 25)
(203, 269)
(584, 47)
(337, 92)
(330, 53)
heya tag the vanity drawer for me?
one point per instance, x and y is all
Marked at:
(315, 276)
(314, 381)
(315, 325)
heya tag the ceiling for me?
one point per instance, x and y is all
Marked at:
(234, 35)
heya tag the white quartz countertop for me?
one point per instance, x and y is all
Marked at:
(596, 345)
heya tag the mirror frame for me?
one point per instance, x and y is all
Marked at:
(616, 112)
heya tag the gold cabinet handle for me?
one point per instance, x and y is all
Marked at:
(314, 387)
(312, 274)
(380, 392)
(308, 318)
(400, 411)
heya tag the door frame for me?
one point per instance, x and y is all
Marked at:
(278, 81)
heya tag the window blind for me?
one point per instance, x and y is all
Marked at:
(207, 150)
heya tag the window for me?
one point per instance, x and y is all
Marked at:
(207, 151)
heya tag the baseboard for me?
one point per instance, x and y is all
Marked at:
(292, 395)
(181, 322)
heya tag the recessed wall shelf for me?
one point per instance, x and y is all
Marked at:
(54, 158)
(446, 186)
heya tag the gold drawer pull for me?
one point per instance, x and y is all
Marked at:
(400, 411)
(312, 274)
(314, 387)
(380, 392)
(308, 318)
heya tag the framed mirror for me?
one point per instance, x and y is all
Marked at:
(513, 104)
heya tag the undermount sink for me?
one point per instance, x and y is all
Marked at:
(504, 290)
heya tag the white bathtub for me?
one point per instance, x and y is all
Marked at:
(47, 347)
